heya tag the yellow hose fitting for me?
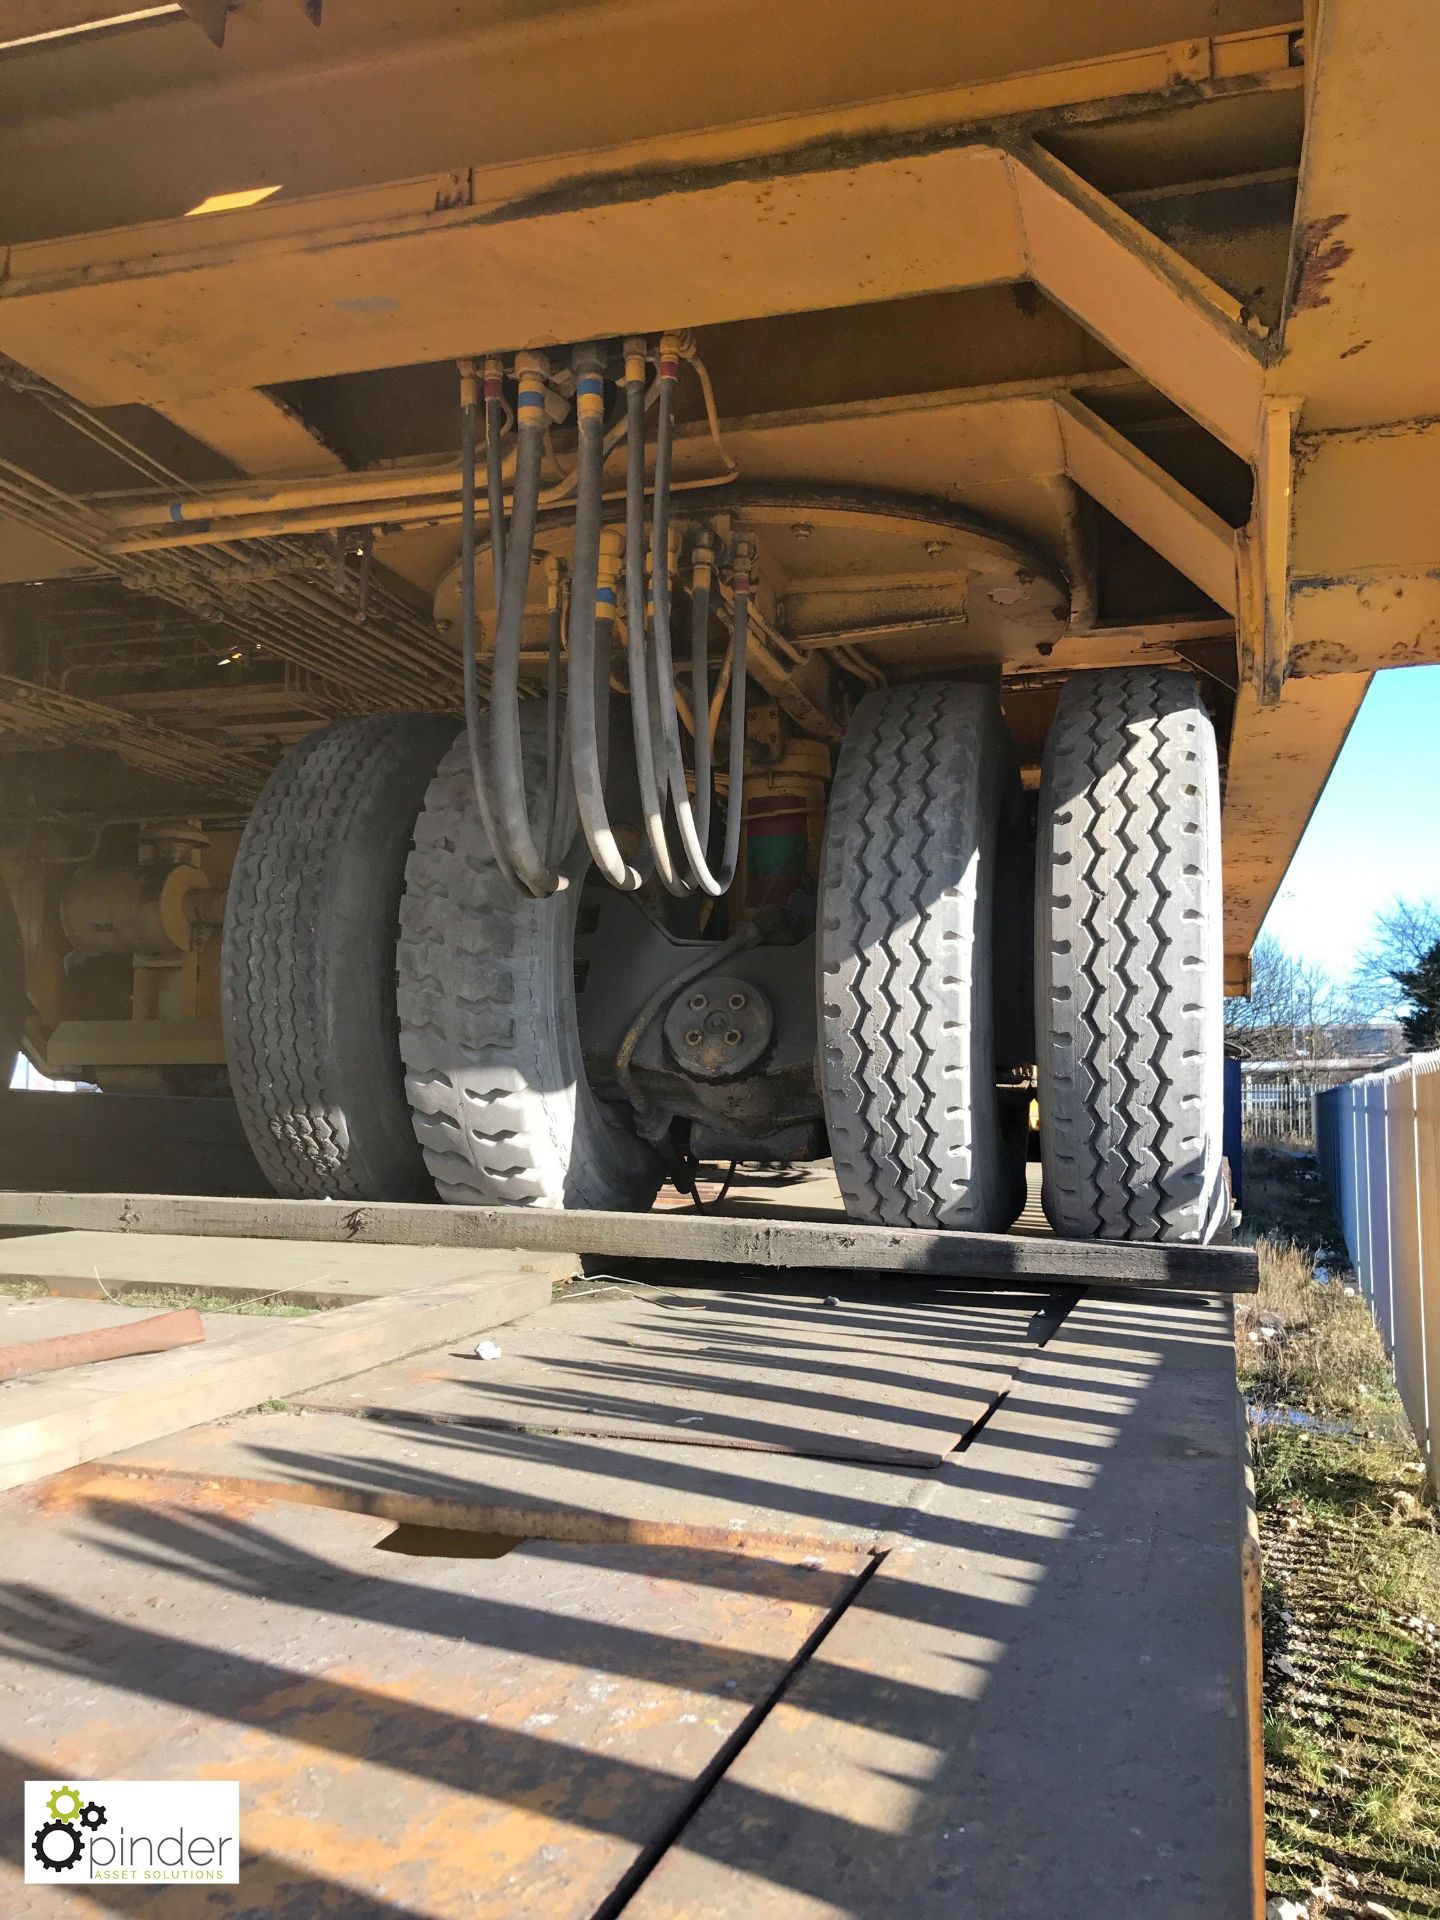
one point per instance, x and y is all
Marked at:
(635, 360)
(670, 351)
(531, 373)
(702, 563)
(554, 582)
(469, 384)
(494, 372)
(607, 596)
(743, 564)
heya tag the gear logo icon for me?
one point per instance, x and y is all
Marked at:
(92, 1815)
(56, 1862)
(67, 1812)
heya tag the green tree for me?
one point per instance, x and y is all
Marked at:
(1420, 985)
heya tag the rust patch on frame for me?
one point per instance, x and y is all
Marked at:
(1319, 256)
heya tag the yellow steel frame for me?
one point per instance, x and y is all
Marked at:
(905, 194)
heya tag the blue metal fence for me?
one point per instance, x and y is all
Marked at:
(1378, 1141)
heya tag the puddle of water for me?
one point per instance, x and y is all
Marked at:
(1294, 1417)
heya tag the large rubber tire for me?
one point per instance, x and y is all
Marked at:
(925, 809)
(488, 1024)
(307, 970)
(1130, 963)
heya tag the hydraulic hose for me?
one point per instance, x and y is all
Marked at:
(469, 635)
(560, 828)
(695, 852)
(512, 815)
(495, 468)
(592, 613)
(652, 803)
(702, 561)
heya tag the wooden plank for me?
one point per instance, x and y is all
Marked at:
(49, 1424)
(863, 1377)
(791, 1244)
(88, 1266)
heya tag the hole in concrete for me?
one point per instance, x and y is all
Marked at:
(447, 1543)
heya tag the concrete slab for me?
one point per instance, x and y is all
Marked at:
(87, 1265)
(46, 1318)
(545, 1486)
(881, 1374)
(1038, 1705)
(421, 1736)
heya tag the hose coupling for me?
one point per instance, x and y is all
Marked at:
(532, 371)
(555, 576)
(702, 562)
(635, 360)
(607, 578)
(494, 374)
(589, 364)
(671, 352)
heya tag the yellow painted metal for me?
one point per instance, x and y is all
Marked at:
(1365, 262)
(881, 174)
(77, 1044)
(390, 91)
(1167, 517)
(255, 431)
(140, 910)
(1264, 558)
(1280, 758)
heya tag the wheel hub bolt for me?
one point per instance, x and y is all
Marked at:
(698, 1000)
(737, 1000)
(694, 1037)
(733, 1037)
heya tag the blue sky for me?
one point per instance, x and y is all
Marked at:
(1376, 830)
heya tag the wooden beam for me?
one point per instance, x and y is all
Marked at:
(48, 1425)
(982, 1257)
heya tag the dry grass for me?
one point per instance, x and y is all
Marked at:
(1306, 1345)
(1352, 1588)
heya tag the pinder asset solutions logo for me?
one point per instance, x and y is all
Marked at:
(152, 1832)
